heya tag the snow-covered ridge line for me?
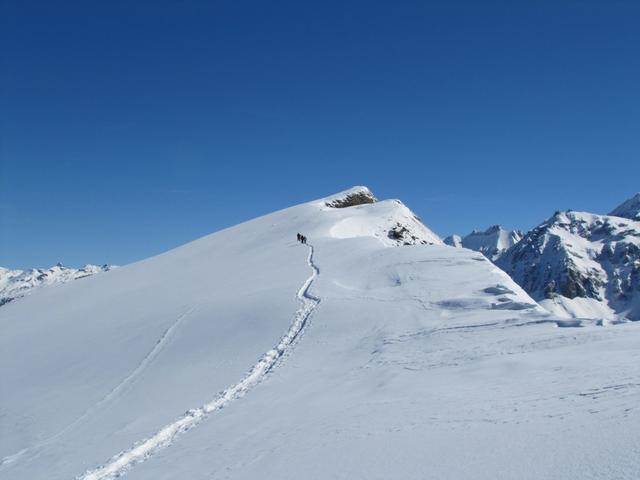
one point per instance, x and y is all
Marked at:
(628, 209)
(143, 450)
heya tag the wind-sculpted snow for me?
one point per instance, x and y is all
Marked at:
(146, 448)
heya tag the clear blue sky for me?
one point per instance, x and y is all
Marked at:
(128, 128)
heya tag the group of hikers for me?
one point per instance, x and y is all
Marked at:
(302, 239)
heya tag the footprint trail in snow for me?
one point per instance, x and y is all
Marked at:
(144, 449)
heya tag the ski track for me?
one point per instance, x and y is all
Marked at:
(162, 341)
(143, 450)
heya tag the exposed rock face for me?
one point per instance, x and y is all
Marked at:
(580, 263)
(356, 196)
(406, 235)
(492, 242)
(18, 283)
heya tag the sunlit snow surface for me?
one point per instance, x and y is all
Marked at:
(420, 361)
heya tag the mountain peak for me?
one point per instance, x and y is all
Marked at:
(629, 209)
(491, 242)
(579, 264)
(454, 241)
(358, 195)
(356, 212)
(493, 229)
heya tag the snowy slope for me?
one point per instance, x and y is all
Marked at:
(355, 357)
(393, 224)
(492, 242)
(582, 265)
(17, 283)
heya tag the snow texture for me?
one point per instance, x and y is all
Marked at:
(419, 361)
(143, 450)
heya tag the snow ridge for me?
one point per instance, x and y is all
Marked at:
(629, 209)
(121, 463)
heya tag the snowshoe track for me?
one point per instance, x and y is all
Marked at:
(141, 451)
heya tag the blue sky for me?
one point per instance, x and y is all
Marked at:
(128, 128)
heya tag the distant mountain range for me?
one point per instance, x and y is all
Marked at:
(492, 242)
(18, 283)
(580, 264)
(575, 264)
(629, 209)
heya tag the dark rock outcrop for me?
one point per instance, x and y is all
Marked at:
(352, 199)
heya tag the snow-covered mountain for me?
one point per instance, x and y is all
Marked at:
(581, 265)
(629, 209)
(492, 242)
(398, 225)
(17, 283)
(246, 354)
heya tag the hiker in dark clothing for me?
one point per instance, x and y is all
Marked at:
(299, 237)
(304, 239)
